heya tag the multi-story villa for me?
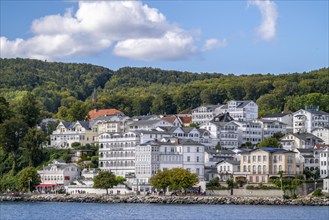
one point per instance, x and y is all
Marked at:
(204, 113)
(57, 175)
(324, 168)
(250, 131)
(286, 118)
(259, 165)
(153, 156)
(323, 133)
(227, 168)
(270, 127)
(309, 119)
(117, 150)
(241, 110)
(148, 124)
(67, 133)
(223, 130)
(304, 141)
(324, 162)
(307, 159)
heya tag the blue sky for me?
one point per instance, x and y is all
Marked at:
(240, 37)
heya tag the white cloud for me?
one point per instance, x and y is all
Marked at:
(213, 43)
(172, 46)
(136, 31)
(268, 9)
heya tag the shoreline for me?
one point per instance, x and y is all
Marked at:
(210, 200)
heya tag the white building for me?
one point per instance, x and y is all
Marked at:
(324, 162)
(67, 133)
(241, 110)
(204, 113)
(270, 127)
(223, 130)
(309, 119)
(147, 125)
(286, 118)
(304, 141)
(57, 175)
(250, 131)
(323, 133)
(227, 168)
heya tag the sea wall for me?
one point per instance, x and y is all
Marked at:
(219, 200)
(246, 192)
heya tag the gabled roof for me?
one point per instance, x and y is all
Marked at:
(213, 107)
(170, 118)
(211, 151)
(66, 124)
(188, 142)
(144, 117)
(221, 119)
(306, 136)
(313, 111)
(102, 112)
(145, 122)
(301, 150)
(186, 119)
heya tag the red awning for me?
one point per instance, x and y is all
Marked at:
(46, 185)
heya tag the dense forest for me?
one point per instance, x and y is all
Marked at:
(31, 90)
(63, 90)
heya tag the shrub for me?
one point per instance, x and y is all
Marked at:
(317, 193)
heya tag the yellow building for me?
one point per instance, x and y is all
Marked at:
(261, 164)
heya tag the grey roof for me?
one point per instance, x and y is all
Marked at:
(152, 142)
(317, 112)
(222, 119)
(145, 122)
(269, 149)
(276, 115)
(66, 124)
(188, 142)
(144, 117)
(219, 151)
(306, 136)
(240, 104)
(301, 150)
(233, 162)
(270, 121)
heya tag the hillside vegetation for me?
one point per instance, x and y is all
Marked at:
(64, 90)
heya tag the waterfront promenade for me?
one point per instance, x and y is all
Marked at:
(219, 200)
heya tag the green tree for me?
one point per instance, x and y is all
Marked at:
(182, 179)
(161, 180)
(270, 142)
(32, 146)
(105, 180)
(28, 110)
(5, 112)
(28, 178)
(12, 132)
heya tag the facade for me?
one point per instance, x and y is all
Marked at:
(309, 119)
(270, 127)
(57, 175)
(324, 162)
(227, 168)
(67, 133)
(168, 153)
(223, 130)
(259, 165)
(204, 113)
(241, 110)
(286, 118)
(250, 131)
(323, 133)
(304, 141)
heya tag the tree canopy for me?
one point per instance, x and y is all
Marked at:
(107, 180)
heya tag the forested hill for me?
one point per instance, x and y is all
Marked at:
(65, 89)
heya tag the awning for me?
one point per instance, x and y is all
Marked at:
(46, 185)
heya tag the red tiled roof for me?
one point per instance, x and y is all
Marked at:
(46, 185)
(102, 112)
(169, 119)
(186, 119)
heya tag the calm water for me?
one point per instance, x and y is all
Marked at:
(70, 211)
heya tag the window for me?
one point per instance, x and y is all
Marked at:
(259, 170)
(188, 149)
(253, 158)
(197, 159)
(188, 159)
(197, 149)
(197, 171)
(264, 158)
(259, 158)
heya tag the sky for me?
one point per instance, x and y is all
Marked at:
(232, 36)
